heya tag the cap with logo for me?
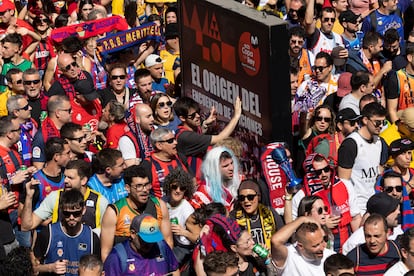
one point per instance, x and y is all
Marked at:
(146, 226)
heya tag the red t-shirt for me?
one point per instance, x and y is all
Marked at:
(89, 114)
(114, 133)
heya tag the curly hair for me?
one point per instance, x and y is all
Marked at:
(182, 179)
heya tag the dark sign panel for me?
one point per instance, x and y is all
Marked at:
(230, 51)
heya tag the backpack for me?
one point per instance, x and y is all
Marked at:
(324, 144)
(121, 252)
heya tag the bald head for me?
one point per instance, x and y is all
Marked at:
(68, 65)
(144, 117)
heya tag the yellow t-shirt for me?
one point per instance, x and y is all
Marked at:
(3, 102)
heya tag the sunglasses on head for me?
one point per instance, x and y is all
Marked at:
(326, 169)
(325, 119)
(162, 104)
(175, 187)
(249, 197)
(390, 189)
(67, 67)
(169, 141)
(30, 82)
(320, 210)
(327, 19)
(115, 77)
(79, 139)
(192, 115)
(75, 214)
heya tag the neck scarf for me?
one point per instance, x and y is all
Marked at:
(267, 221)
(49, 129)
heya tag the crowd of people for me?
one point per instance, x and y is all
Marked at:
(107, 169)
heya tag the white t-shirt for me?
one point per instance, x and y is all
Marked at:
(399, 269)
(296, 265)
(181, 212)
(358, 238)
(127, 148)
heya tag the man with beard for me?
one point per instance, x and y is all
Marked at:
(399, 87)
(350, 22)
(300, 58)
(163, 159)
(367, 59)
(32, 84)
(117, 219)
(59, 246)
(135, 145)
(76, 175)
(379, 204)
(377, 254)
(323, 39)
(76, 138)
(393, 51)
(143, 82)
(338, 195)
(346, 123)
(308, 254)
(108, 166)
(145, 253)
(363, 153)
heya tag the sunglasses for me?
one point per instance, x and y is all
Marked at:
(327, 19)
(319, 68)
(67, 67)
(3, 13)
(162, 104)
(293, 11)
(26, 107)
(175, 187)
(249, 197)
(169, 141)
(378, 123)
(19, 81)
(30, 82)
(75, 214)
(326, 169)
(192, 115)
(114, 77)
(42, 20)
(294, 42)
(352, 123)
(79, 139)
(16, 130)
(320, 210)
(325, 119)
(390, 189)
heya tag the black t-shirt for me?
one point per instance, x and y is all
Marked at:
(36, 109)
(191, 143)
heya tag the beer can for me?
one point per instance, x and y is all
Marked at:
(174, 220)
(43, 116)
(261, 251)
(23, 167)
